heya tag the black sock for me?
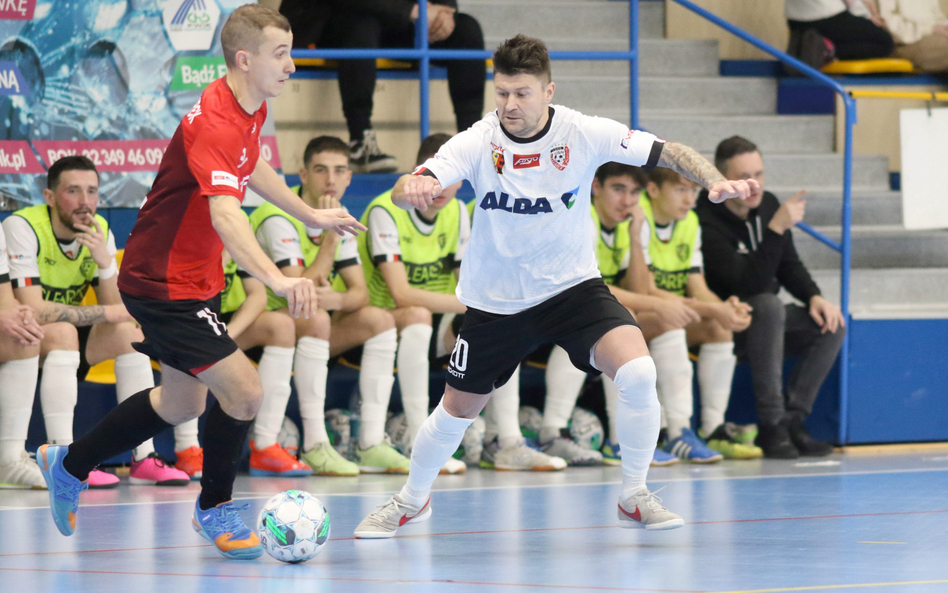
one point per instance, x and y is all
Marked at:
(223, 447)
(127, 426)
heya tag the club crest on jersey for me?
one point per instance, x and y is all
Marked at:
(559, 155)
(526, 161)
(498, 155)
(442, 240)
(683, 251)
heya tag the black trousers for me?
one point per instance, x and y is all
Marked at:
(778, 330)
(855, 38)
(349, 30)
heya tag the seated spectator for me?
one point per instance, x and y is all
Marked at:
(58, 250)
(920, 29)
(852, 27)
(749, 252)
(351, 24)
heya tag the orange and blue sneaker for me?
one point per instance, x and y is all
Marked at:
(64, 488)
(224, 528)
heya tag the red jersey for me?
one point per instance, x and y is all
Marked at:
(173, 252)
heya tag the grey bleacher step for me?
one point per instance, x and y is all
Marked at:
(772, 133)
(869, 207)
(877, 246)
(894, 290)
(705, 95)
(659, 57)
(870, 171)
(560, 23)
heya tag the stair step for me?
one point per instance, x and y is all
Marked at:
(892, 291)
(772, 133)
(824, 207)
(877, 246)
(659, 57)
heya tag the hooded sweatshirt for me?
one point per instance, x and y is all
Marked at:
(745, 257)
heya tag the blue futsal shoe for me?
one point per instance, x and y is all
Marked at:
(64, 488)
(224, 528)
(690, 447)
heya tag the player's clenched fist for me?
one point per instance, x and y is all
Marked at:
(300, 295)
(737, 188)
(416, 191)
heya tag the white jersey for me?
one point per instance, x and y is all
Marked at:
(531, 241)
(4, 261)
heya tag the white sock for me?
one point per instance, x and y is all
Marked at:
(502, 413)
(611, 392)
(310, 369)
(563, 385)
(376, 377)
(186, 435)
(133, 374)
(715, 373)
(412, 363)
(17, 388)
(675, 373)
(437, 440)
(637, 420)
(59, 391)
(275, 369)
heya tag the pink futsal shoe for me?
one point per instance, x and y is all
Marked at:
(156, 471)
(101, 480)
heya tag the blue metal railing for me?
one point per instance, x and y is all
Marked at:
(424, 55)
(844, 247)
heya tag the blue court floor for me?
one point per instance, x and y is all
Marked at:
(869, 521)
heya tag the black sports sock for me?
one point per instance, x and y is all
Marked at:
(128, 425)
(223, 447)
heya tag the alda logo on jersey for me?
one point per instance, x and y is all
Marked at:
(524, 205)
(526, 161)
(569, 198)
(559, 155)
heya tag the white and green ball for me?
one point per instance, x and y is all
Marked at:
(293, 526)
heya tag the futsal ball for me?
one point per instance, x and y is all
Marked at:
(338, 429)
(586, 429)
(472, 443)
(293, 526)
(289, 437)
(397, 430)
(531, 420)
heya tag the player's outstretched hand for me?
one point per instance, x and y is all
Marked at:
(334, 219)
(736, 188)
(420, 190)
(300, 295)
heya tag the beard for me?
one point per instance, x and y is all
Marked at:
(69, 222)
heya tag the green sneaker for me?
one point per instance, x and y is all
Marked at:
(744, 434)
(381, 459)
(326, 461)
(724, 442)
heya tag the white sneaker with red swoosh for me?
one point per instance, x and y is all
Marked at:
(644, 510)
(385, 520)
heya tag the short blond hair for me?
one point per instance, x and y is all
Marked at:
(244, 30)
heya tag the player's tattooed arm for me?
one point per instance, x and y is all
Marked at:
(687, 162)
(78, 316)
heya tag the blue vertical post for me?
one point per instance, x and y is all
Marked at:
(849, 104)
(421, 42)
(634, 64)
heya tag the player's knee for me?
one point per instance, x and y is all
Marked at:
(636, 382)
(467, 32)
(768, 310)
(317, 326)
(377, 320)
(60, 336)
(280, 330)
(124, 334)
(416, 315)
(717, 333)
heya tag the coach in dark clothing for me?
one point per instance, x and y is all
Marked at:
(748, 252)
(351, 24)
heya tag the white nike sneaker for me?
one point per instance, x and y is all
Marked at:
(22, 473)
(384, 521)
(518, 457)
(643, 510)
(453, 466)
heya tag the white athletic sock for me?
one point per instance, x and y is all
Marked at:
(310, 368)
(563, 385)
(637, 420)
(186, 435)
(59, 391)
(412, 363)
(17, 389)
(502, 413)
(275, 369)
(611, 392)
(675, 373)
(133, 374)
(715, 373)
(376, 377)
(437, 440)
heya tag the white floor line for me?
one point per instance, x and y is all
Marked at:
(238, 496)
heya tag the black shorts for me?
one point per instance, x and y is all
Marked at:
(187, 335)
(490, 346)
